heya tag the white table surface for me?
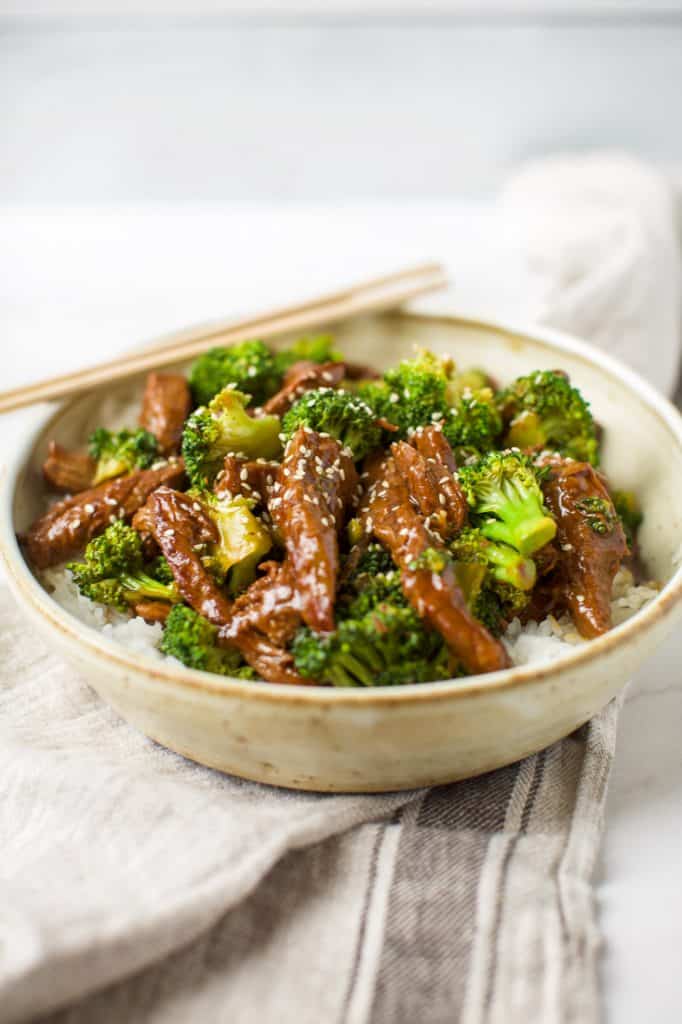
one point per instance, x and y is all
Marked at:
(79, 284)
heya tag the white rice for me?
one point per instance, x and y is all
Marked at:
(530, 644)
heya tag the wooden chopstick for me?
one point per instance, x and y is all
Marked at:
(369, 296)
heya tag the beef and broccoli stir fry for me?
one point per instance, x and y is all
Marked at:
(293, 517)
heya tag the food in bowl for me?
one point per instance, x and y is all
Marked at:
(293, 517)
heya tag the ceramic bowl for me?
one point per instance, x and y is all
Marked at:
(387, 738)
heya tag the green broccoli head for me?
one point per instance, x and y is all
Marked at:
(629, 511)
(113, 571)
(368, 593)
(599, 514)
(543, 410)
(223, 427)
(463, 382)
(338, 413)
(386, 647)
(192, 639)
(376, 559)
(410, 395)
(160, 570)
(248, 366)
(316, 349)
(495, 579)
(118, 452)
(503, 563)
(473, 424)
(243, 540)
(504, 495)
(496, 606)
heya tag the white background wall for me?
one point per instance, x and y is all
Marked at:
(326, 106)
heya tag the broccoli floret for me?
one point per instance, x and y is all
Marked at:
(316, 349)
(339, 413)
(386, 647)
(192, 639)
(543, 410)
(376, 559)
(248, 366)
(243, 541)
(432, 559)
(503, 564)
(224, 426)
(599, 514)
(370, 592)
(504, 495)
(160, 570)
(495, 579)
(410, 395)
(473, 424)
(496, 606)
(629, 510)
(462, 382)
(118, 452)
(113, 571)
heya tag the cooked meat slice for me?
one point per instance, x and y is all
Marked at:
(65, 530)
(436, 597)
(548, 596)
(301, 377)
(314, 487)
(263, 622)
(67, 471)
(252, 479)
(546, 559)
(360, 371)
(180, 527)
(434, 446)
(433, 488)
(591, 541)
(165, 407)
(152, 611)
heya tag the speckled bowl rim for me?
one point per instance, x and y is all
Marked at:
(84, 638)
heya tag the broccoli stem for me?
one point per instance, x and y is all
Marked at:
(521, 521)
(507, 567)
(143, 586)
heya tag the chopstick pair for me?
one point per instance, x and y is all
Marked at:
(379, 293)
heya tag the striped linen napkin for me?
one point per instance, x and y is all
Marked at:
(138, 887)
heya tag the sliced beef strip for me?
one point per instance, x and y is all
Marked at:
(64, 531)
(180, 527)
(166, 404)
(66, 471)
(589, 559)
(250, 478)
(360, 371)
(433, 487)
(301, 377)
(152, 611)
(315, 485)
(263, 622)
(436, 597)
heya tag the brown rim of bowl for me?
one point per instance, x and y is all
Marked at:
(75, 632)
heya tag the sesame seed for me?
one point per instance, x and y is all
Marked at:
(441, 499)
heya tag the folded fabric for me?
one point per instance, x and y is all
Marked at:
(467, 903)
(597, 238)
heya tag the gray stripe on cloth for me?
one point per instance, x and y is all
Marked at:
(432, 904)
(534, 958)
